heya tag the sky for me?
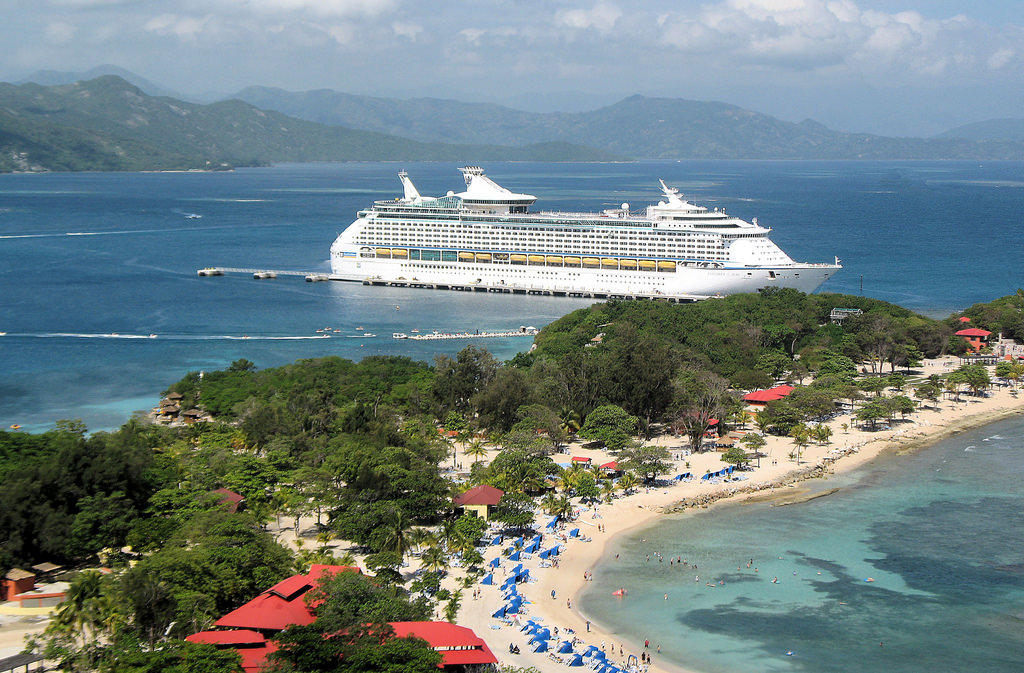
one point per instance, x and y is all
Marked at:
(894, 67)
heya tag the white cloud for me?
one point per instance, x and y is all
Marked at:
(601, 17)
(1001, 58)
(185, 28)
(815, 34)
(59, 32)
(332, 8)
(408, 30)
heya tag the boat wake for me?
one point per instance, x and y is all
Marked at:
(166, 337)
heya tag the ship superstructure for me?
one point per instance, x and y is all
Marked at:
(487, 236)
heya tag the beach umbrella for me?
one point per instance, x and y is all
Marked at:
(541, 646)
(564, 647)
(574, 532)
(489, 579)
(545, 554)
(514, 556)
(544, 633)
(518, 542)
(518, 569)
(576, 660)
(510, 591)
(499, 613)
(496, 540)
(495, 562)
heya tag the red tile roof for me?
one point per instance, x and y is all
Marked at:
(973, 332)
(610, 466)
(281, 605)
(776, 393)
(234, 637)
(580, 459)
(458, 645)
(479, 495)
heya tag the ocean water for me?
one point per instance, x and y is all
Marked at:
(92, 264)
(939, 532)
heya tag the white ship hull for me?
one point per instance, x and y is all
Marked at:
(486, 238)
(685, 283)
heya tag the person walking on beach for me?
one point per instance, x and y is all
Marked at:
(588, 626)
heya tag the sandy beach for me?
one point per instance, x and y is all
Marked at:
(848, 450)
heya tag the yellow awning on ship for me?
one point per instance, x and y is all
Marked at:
(483, 256)
(554, 259)
(518, 258)
(574, 261)
(648, 264)
(608, 261)
(537, 258)
(399, 252)
(591, 261)
(467, 256)
(627, 263)
(385, 252)
(667, 265)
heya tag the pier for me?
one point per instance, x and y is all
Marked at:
(314, 276)
(440, 336)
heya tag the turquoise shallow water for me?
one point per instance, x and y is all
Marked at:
(939, 532)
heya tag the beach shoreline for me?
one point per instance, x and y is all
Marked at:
(854, 449)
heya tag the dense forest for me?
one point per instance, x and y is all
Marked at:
(363, 448)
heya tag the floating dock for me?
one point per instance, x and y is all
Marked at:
(440, 336)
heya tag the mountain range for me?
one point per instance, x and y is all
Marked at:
(637, 127)
(109, 123)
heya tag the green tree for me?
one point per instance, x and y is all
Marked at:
(515, 510)
(700, 398)
(649, 462)
(734, 455)
(611, 425)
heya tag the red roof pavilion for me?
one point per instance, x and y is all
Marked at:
(458, 645)
(479, 495)
(580, 459)
(770, 395)
(231, 500)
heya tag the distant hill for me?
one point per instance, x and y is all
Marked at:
(991, 129)
(109, 124)
(638, 127)
(60, 77)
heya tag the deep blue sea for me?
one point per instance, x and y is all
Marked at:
(84, 257)
(91, 254)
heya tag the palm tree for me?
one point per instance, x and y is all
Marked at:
(421, 537)
(562, 507)
(570, 421)
(396, 528)
(475, 450)
(628, 482)
(822, 433)
(608, 489)
(434, 559)
(549, 503)
(88, 610)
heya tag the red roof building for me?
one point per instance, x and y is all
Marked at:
(480, 500)
(581, 459)
(252, 646)
(458, 645)
(976, 338)
(231, 500)
(281, 605)
(766, 396)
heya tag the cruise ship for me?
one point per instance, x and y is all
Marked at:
(487, 238)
